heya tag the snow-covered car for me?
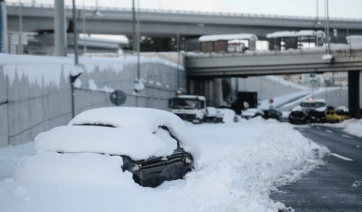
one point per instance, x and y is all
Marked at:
(153, 145)
(252, 113)
(213, 116)
(229, 115)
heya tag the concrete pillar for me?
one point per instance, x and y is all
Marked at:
(218, 98)
(60, 30)
(354, 92)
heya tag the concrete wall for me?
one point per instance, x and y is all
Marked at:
(267, 87)
(30, 105)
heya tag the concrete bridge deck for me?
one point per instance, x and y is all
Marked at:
(273, 62)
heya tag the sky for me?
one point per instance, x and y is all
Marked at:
(337, 8)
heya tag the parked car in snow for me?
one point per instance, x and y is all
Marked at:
(297, 117)
(229, 115)
(153, 145)
(274, 114)
(336, 116)
(315, 116)
(213, 116)
(252, 113)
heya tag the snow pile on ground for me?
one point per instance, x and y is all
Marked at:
(241, 164)
(143, 120)
(353, 127)
(228, 115)
(239, 176)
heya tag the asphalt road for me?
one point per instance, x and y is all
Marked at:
(333, 187)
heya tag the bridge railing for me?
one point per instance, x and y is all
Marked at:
(38, 5)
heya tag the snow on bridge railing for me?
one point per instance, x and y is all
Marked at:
(80, 7)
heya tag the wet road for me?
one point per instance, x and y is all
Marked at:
(335, 186)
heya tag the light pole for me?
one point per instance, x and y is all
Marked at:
(84, 30)
(327, 13)
(20, 47)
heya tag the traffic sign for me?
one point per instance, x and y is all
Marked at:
(118, 97)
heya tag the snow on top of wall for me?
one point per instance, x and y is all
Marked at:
(283, 99)
(49, 70)
(228, 37)
(40, 70)
(143, 120)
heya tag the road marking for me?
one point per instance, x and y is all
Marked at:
(346, 136)
(329, 131)
(302, 129)
(318, 128)
(341, 157)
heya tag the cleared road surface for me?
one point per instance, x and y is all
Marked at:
(335, 186)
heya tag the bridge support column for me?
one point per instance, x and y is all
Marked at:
(210, 88)
(60, 31)
(354, 94)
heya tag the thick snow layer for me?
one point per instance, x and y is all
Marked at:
(206, 38)
(295, 34)
(228, 115)
(327, 57)
(137, 144)
(142, 120)
(73, 169)
(242, 163)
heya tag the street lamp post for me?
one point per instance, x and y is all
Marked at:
(327, 13)
(84, 30)
(20, 46)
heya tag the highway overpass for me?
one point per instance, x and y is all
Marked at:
(118, 21)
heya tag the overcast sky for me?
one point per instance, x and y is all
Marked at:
(337, 8)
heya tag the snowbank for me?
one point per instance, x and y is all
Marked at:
(245, 164)
(142, 120)
(353, 127)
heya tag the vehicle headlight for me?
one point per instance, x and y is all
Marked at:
(188, 160)
(136, 167)
(291, 116)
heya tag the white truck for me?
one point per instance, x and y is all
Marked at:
(189, 107)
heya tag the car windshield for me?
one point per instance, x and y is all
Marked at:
(178, 103)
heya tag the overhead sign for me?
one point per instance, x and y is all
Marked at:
(118, 97)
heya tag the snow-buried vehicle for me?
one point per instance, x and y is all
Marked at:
(155, 145)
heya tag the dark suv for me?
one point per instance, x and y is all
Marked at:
(297, 117)
(315, 116)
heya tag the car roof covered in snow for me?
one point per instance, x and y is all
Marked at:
(134, 127)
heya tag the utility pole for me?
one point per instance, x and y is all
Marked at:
(60, 36)
(75, 34)
(329, 45)
(84, 30)
(178, 62)
(134, 26)
(20, 46)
